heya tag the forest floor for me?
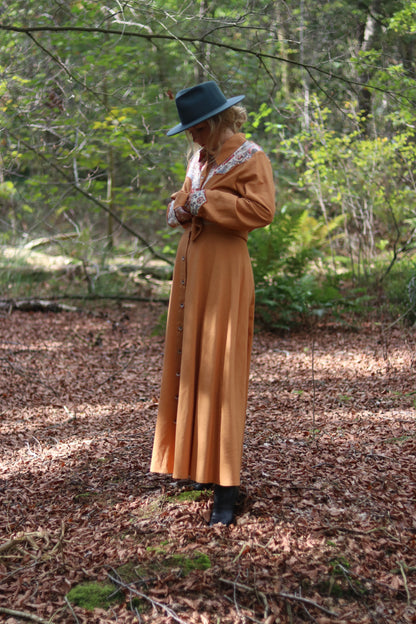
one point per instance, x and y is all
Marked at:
(326, 521)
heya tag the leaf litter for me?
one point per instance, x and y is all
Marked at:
(326, 524)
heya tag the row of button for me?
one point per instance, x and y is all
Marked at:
(180, 319)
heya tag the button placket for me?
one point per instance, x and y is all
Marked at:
(180, 317)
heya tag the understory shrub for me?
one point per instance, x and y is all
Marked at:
(287, 259)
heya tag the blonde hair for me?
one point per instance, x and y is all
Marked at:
(233, 117)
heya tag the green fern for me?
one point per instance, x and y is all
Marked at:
(284, 258)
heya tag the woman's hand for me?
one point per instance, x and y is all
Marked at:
(183, 215)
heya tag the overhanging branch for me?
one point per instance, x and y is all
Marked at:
(29, 30)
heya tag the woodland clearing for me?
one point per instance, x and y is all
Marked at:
(326, 524)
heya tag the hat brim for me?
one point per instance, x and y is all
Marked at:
(181, 127)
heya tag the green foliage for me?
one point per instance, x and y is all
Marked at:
(7, 192)
(368, 180)
(160, 327)
(87, 110)
(399, 290)
(286, 256)
(404, 20)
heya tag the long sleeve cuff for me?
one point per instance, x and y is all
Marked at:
(171, 217)
(195, 201)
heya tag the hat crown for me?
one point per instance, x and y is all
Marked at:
(199, 101)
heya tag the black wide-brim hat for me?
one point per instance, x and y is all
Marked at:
(199, 103)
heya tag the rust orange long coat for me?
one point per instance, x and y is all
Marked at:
(202, 409)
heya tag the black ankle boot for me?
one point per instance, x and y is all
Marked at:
(224, 500)
(200, 487)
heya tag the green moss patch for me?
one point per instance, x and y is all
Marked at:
(198, 561)
(94, 595)
(185, 497)
(131, 572)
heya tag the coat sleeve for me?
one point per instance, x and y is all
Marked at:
(244, 200)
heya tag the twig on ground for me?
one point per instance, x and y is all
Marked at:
(310, 616)
(258, 593)
(155, 603)
(348, 579)
(60, 543)
(246, 616)
(71, 609)
(17, 570)
(282, 595)
(404, 577)
(307, 601)
(19, 539)
(237, 607)
(369, 580)
(408, 568)
(23, 615)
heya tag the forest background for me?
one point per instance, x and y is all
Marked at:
(86, 97)
(325, 528)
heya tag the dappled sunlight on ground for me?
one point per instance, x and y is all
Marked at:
(325, 520)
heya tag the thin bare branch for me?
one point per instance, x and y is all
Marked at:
(204, 39)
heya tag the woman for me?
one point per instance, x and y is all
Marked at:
(228, 191)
